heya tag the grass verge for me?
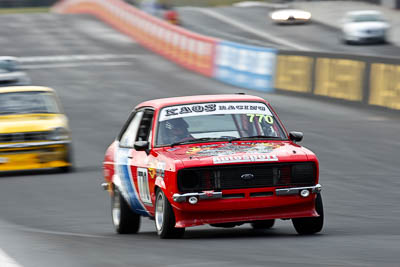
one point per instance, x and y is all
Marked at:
(24, 10)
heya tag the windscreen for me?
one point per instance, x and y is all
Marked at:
(214, 121)
(367, 17)
(28, 102)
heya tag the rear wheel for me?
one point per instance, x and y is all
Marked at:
(265, 224)
(311, 225)
(124, 219)
(165, 218)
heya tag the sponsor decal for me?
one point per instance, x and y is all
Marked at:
(160, 172)
(143, 185)
(213, 109)
(157, 169)
(244, 158)
(231, 149)
(152, 173)
(3, 160)
(260, 117)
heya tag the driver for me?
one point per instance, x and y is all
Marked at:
(177, 130)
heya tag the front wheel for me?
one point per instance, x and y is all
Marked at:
(311, 225)
(165, 218)
(124, 219)
(69, 160)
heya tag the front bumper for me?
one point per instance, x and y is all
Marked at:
(365, 38)
(218, 195)
(34, 155)
(291, 21)
(244, 205)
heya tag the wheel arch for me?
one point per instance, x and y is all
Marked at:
(159, 183)
(117, 184)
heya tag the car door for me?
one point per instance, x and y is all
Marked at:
(134, 164)
(124, 159)
(143, 160)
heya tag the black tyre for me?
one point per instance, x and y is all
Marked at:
(266, 224)
(165, 218)
(312, 225)
(69, 159)
(124, 219)
(66, 169)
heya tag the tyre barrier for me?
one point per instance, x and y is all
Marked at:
(368, 80)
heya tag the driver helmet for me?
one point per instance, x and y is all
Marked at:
(177, 129)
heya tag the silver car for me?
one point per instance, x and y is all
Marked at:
(11, 73)
(367, 26)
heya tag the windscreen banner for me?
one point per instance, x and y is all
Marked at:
(245, 66)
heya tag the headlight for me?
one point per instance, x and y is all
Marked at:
(58, 134)
(303, 173)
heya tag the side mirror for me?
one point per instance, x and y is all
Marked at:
(141, 145)
(296, 136)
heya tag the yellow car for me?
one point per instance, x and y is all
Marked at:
(34, 131)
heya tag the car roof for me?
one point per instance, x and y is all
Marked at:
(171, 101)
(289, 11)
(8, 58)
(10, 89)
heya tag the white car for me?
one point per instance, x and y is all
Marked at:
(290, 16)
(368, 26)
(11, 73)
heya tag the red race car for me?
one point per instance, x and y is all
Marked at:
(222, 160)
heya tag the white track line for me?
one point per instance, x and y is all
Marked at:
(73, 65)
(63, 58)
(247, 28)
(34, 230)
(7, 261)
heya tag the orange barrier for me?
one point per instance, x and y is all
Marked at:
(190, 50)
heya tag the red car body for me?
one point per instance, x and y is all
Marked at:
(146, 169)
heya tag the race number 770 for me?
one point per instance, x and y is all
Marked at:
(269, 119)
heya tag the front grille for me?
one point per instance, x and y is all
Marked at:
(23, 137)
(246, 176)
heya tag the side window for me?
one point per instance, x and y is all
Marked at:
(145, 126)
(129, 136)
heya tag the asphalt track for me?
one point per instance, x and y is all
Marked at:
(50, 219)
(258, 29)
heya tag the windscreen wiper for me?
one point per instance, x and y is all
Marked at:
(254, 137)
(203, 139)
